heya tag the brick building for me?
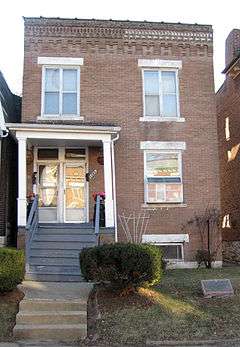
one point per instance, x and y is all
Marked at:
(10, 111)
(228, 110)
(132, 104)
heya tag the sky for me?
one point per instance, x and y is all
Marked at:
(223, 15)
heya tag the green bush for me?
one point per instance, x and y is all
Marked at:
(122, 264)
(12, 264)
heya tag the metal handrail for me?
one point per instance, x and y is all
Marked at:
(97, 219)
(31, 228)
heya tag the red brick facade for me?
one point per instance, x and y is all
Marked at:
(228, 110)
(111, 93)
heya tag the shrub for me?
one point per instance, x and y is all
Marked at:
(11, 268)
(122, 264)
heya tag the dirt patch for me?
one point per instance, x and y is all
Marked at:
(9, 303)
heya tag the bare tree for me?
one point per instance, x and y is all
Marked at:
(207, 225)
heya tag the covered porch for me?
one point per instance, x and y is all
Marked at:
(64, 165)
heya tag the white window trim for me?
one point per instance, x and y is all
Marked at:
(165, 238)
(60, 115)
(161, 117)
(162, 145)
(159, 63)
(179, 152)
(60, 61)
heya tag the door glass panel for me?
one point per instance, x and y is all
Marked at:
(48, 180)
(75, 192)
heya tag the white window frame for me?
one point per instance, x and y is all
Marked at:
(161, 117)
(172, 244)
(60, 114)
(179, 153)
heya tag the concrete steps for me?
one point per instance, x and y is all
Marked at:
(63, 332)
(52, 311)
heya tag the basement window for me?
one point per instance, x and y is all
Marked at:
(171, 251)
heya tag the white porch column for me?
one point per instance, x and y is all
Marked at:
(108, 184)
(22, 182)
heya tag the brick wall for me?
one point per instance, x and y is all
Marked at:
(228, 106)
(111, 92)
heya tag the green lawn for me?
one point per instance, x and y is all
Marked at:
(174, 310)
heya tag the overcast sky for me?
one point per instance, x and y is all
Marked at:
(223, 15)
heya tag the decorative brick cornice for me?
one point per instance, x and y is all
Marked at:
(124, 30)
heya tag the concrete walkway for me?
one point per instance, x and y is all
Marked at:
(55, 311)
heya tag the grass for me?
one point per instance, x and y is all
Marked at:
(173, 310)
(8, 310)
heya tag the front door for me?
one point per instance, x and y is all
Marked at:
(74, 192)
(48, 184)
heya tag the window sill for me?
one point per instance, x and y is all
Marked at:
(162, 119)
(163, 205)
(62, 118)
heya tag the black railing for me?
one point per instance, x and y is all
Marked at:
(31, 228)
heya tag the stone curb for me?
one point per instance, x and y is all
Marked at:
(220, 343)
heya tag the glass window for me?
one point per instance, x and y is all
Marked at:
(48, 182)
(47, 153)
(72, 153)
(171, 252)
(160, 93)
(61, 96)
(163, 177)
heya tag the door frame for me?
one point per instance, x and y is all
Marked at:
(73, 163)
(61, 184)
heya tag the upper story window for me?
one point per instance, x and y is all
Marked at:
(160, 93)
(160, 90)
(60, 86)
(61, 91)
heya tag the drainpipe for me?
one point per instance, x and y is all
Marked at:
(114, 185)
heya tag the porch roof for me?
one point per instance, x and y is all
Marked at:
(63, 134)
(106, 129)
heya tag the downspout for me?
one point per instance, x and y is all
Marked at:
(114, 185)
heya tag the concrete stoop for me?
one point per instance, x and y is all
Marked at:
(52, 311)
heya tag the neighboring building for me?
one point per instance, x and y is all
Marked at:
(10, 108)
(228, 113)
(131, 103)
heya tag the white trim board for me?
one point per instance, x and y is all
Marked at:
(165, 238)
(168, 145)
(60, 61)
(174, 64)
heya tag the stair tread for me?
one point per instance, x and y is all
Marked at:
(56, 313)
(50, 326)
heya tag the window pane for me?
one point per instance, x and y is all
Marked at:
(151, 192)
(69, 80)
(168, 82)
(69, 103)
(169, 105)
(151, 82)
(162, 164)
(51, 103)
(72, 153)
(48, 175)
(152, 106)
(52, 80)
(47, 197)
(48, 153)
(171, 252)
(173, 192)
